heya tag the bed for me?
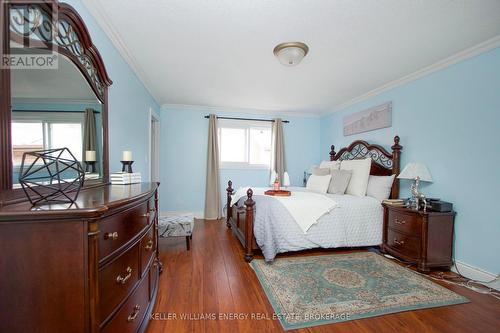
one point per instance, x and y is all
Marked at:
(263, 224)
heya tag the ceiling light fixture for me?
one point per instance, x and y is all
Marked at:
(291, 53)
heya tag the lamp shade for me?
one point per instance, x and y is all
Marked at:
(416, 170)
(272, 178)
(286, 179)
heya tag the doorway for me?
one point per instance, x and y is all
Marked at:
(154, 144)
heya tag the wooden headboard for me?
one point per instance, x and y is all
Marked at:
(383, 162)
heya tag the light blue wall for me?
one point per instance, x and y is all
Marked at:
(449, 120)
(184, 135)
(129, 101)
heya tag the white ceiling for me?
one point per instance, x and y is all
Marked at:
(220, 52)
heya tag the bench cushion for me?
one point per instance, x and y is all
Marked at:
(174, 226)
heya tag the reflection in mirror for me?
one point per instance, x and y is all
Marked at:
(55, 108)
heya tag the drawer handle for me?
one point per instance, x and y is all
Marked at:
(111, 235)
(147, 215)
(123, 279)
(398, 221)
(400, 243)
(149, 245)
(133, 315)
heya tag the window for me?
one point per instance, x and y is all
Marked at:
(45, 130)
(244, 144)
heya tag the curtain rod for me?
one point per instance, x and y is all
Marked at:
(250, 119)
(56, 111)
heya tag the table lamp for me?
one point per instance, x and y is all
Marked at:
(286, 179)
(272, 178)
(416, 172)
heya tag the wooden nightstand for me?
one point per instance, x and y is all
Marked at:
(423, 238)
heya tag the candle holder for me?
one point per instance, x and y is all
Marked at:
(90, 166)
(127, 166)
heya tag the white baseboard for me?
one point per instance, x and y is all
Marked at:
(197, 215)
(477, 274)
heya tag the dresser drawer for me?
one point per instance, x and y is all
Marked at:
(118, 229)
(406, 245)
(406, 223)
(117, 279)
(131, 314)
(148, 248)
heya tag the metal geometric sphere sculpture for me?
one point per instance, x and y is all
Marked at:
(51, 176)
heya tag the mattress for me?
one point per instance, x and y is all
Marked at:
(357, 221)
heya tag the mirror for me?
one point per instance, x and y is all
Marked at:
(58, 103)
(55, 108)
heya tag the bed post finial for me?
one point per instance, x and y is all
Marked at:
(396, 166)
(249, 203)
(332, 152)
(229, 211)
(396, 141)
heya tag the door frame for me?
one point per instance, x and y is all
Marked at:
(154, 118)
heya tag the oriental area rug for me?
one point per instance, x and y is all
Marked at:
(316, 290)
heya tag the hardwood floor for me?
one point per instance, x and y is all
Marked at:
(212, 278)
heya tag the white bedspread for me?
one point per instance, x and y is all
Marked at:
(305, 207)
(357, 221)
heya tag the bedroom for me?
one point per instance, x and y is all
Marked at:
(433, 67)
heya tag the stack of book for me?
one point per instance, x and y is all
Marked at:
(90, 175)
(394, 202)
(124, 178)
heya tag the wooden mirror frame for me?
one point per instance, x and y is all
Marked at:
(86, 58)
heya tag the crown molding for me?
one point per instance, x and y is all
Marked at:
(485, 46)
(99, 14)
(225, 109)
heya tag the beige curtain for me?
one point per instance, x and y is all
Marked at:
(213, 207)
(89, 132)
(278, 158)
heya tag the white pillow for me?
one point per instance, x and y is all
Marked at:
(340, 181)
(318, 183)
(321, 171)
(333, 165)
(360, 173)
(379, 187)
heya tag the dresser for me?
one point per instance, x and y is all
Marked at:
(89, 267)
(422, 238)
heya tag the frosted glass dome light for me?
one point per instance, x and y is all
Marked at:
(291, 53)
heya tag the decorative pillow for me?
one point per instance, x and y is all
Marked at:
(321, 171)
(360, 173)
(333, 165)
(318, 183)
(340, 181)
(380, 187)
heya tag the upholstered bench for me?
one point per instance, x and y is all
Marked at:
(176, 226)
